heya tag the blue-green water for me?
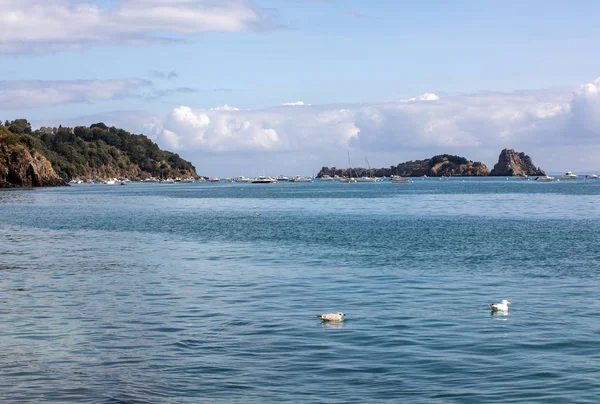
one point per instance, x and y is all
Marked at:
(151, 293)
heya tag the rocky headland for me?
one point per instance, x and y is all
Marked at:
(22, 167)
(512, 163)
(54, 156)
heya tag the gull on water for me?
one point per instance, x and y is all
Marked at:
(502, 306)
(339, 316)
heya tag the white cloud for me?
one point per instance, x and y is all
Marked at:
(43, 26)
(38, 93)
(558, 128)
(425, 97)
(294, 104)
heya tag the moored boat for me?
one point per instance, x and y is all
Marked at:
(396, 179)
(326, 178)
(264, 180)
(568, 176)
(545, 178)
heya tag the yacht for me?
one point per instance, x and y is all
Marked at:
(545, 178)
(300, 178)
(396, 179)
(189, 179)
(241, 178)
(591, 177)
(522, 176)
(283, 178)
(568, 176)
(215, 179)
(264, 180)
(366, 179)
(228, 179)
(347, 179)
(326, 178)
(167, 181)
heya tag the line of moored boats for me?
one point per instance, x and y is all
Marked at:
(325, 178)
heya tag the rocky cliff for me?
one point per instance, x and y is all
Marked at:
(21, 167)
(437, 166)
(512, 163)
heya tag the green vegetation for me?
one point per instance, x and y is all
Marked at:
(98, 151)
(449, 157)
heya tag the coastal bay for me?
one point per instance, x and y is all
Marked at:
(180, 293)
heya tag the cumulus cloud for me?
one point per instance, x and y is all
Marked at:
(39, 93)
(42, 26)
(425, 97)
(545, 124)
(294, 104)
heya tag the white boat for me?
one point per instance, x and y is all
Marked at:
(151, 179)
(522, 176)
(215, 179)
(326, 178)
(283, 178)
(545, 178)
(188, 180)
(300, 178)
(443, 178)
(167, 181)
(366, 179)
(228, 179)
(347, 179)
(111, 181)
(568, 176)
(241, 178)
(396, 179)
(264, 180)
(591, 177)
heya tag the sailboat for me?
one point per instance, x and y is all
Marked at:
(350, 178)
(368, 177)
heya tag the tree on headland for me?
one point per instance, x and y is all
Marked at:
(19, 126)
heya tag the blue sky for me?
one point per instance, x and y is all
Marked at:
(208, 78)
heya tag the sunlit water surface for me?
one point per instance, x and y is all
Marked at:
(151, 293)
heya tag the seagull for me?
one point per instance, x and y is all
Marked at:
(503, 306)
(339, 316)
(256, 214)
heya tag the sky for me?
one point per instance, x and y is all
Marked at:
(290, 86)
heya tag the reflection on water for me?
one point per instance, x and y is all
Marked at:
(333, 324)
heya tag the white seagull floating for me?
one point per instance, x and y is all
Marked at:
(339, 316)
(503, 306)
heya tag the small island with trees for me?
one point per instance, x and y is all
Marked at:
(510, 163)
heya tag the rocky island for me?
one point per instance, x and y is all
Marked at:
(53, 156)
(437, 166)
(510, 163)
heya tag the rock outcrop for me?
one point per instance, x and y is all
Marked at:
(437, 166)
(512, 163)
(20, 167)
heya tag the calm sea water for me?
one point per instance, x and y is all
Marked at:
(151, 293)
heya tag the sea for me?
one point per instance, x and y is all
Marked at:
(209, 292)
